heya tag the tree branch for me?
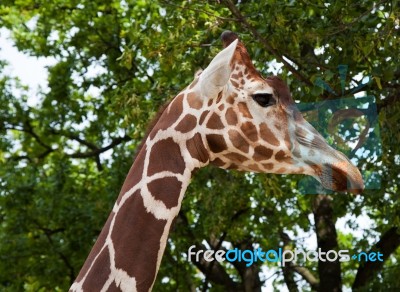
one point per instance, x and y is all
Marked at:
(350, 24)
(250, 278)
(76, 138)
(83, 142)
(388, 244)
(213, 271)
(28, 129)
(388, 101)
(302, 271)
(288, 274)
(250, 275)
(96, 152)
(242, 20)
(49, 233)
(307, 275)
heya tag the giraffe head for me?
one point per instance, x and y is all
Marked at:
(251, 123)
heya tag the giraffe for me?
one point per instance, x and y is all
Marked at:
(230, 117)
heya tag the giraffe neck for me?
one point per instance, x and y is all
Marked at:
(128, 252)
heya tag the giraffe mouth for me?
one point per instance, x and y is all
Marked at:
(341, 177)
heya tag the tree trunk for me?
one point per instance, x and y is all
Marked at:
(388, 243)
(330, 278)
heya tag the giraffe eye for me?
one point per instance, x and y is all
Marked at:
(264, 99)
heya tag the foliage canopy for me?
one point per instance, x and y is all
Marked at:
(64, 152)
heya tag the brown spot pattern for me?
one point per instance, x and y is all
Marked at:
(234, 83)
(96, 248)
(218, 162)
(282, 157)
(250, 131)
(166, 156)
(267, 135)
(231, 98)
(231, 117)
(244, 110)
(262, 153)
(232, 166)
(214, 122)
(134, 174)
(196, 148)
(268, 166)
(140, 244)
(187, 124)
(281, 170)
(216, 143)
(169, 116)
(254, 167)
(194, 101)
(236, 157)
(98, 275)
(237, 76)
(203, 117)
(166, 190)
(238, 141)
(219, 97)
(287, 140)
(113, 288)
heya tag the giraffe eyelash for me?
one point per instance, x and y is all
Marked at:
(264, 99)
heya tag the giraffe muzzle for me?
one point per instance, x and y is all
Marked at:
(342, 177)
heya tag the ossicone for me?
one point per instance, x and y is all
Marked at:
(228, 37)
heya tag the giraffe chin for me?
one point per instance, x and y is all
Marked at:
(341, 178)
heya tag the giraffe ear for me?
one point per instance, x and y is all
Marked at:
(218, 72)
